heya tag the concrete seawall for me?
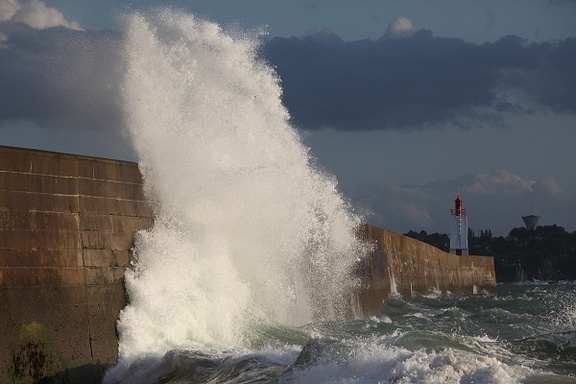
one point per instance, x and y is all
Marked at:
(66, 229)
(405, 266)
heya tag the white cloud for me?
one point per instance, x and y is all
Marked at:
(3, 39)
(400, 27)
(498, 183)
(549, 188)
(35, 14)
(506, 183)
(8, 8)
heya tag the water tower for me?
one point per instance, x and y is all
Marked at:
(531, 221)
(458, 229)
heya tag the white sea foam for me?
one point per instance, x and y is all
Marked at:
(381, 362)
(247, 229)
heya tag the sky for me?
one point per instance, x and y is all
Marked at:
(408, 103)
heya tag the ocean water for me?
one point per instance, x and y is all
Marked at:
(526, 334)
(246, 275)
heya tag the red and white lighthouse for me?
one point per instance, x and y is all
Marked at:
(458, 229)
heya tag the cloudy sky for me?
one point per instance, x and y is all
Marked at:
(408, 103)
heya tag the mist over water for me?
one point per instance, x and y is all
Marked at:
(248, 231)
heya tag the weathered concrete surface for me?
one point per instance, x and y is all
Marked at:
(406, 266)
(66, 229)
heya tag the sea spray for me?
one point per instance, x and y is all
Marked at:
(247, 230)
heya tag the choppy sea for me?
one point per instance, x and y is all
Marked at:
(526, 334)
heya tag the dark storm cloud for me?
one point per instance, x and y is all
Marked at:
(62, 77)
(419, 80)
(59, 77)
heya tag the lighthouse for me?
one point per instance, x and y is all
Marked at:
(458, 229)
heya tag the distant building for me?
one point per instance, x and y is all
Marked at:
(531, 221)
(458, 229)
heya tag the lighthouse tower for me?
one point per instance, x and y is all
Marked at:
(458, 229)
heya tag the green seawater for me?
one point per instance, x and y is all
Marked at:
(526, 334)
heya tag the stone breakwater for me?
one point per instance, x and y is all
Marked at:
(66, 230)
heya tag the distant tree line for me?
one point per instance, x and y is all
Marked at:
(544, 253)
